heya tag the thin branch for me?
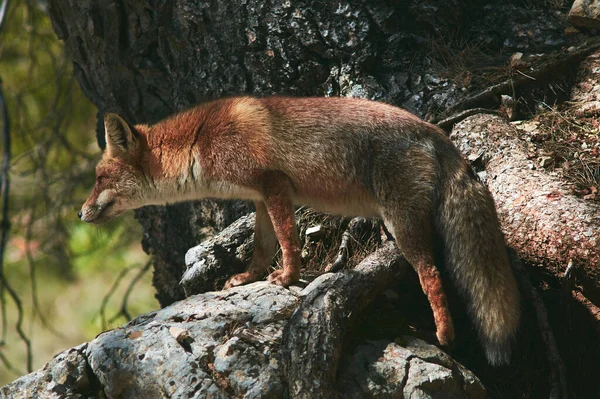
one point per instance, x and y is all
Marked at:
(9, 365)
(109, 294)
(19, 324)
(123, 311)
(4, 190)
(130, 288)
(450, 121)
(351, 232)
(32, 278)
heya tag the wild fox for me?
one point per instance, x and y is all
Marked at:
(340, 155)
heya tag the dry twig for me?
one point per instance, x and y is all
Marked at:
(123, 310)
(344, 251)
(108, 295)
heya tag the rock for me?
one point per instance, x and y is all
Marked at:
(170, 231)
(228, 344)
(414, 369)
(209, 264)
(230, 350)
(64, 376)
(314, 232)
(519, 29)
(585, 14)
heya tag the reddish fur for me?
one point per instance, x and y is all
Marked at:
(228, 148)
(277, 191)
(431, 283)
(322, 115)
(231, 138)
(235, 143)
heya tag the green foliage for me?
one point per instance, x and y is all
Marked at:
(61, 268)
(89, 245)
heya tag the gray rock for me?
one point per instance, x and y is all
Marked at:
(228, 344)
(524, 29)
(64, 376)
(209, 264)
(228, 349)
(413, 369)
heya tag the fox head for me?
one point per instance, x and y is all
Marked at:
(120, 179)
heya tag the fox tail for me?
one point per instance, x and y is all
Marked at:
(476, 256)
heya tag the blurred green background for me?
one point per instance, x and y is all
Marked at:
(61, 268)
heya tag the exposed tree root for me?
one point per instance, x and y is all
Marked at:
(314, 336)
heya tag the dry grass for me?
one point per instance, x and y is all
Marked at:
(466, 64)
(321, 251)
(569, 146)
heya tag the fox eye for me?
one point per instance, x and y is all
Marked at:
(100, 179)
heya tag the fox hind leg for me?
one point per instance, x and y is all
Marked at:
(265, 247)
(414, 237)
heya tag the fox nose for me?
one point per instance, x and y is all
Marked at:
(79, 215)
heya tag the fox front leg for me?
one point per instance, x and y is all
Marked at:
(275, 221)
(265, 247)
(281, 211)
(277, 191)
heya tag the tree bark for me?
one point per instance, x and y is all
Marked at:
(169, 231)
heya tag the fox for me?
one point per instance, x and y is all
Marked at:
(347, 156)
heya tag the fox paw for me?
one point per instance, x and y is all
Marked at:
(239, 279)
(282, 278)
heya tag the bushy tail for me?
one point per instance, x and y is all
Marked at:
(476, 256)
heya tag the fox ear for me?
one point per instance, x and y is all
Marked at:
(119, 135)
